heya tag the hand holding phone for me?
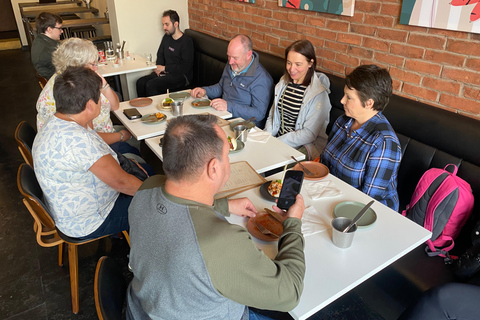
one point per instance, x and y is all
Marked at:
(132, 113)
(291, 186)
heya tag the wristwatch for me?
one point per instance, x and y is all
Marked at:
(121, 136)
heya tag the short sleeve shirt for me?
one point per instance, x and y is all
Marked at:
(63, 153)
(46, 108)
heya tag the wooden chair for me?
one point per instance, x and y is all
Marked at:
(110, 289)
(33, 196)
(25, 134)
(42, 81)
(43, 226)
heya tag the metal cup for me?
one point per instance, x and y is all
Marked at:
(340, 239)
(242, 132)
(177, 108)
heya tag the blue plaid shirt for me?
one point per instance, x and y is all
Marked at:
(368, 159)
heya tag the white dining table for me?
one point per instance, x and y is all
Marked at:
(136, 63)
(262, 156)
(331, 271)
(143, 131)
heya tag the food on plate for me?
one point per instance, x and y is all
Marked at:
(232, 142)
(201, 103)
(275, 187)
(167, 102)
(269, 223)
(159, 115)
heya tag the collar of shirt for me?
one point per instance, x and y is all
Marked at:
(234, 74)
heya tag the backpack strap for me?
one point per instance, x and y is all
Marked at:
(431, 251)
(454, 170)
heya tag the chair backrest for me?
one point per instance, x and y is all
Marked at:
(25, 134)
(110, 289)
(30, 189)
(42, 81)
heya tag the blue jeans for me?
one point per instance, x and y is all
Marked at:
(116, 221)
(252, 315)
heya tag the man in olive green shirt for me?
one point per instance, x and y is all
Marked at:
(187, 261)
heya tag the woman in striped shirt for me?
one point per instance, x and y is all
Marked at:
(300, 113)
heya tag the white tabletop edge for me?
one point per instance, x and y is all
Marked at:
(153, 144)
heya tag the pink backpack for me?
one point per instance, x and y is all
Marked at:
(441, 203)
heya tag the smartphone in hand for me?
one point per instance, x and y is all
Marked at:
(291, 186)
(132, 113)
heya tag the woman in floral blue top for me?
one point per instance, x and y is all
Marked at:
(363, 149)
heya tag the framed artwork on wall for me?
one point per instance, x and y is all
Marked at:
(339, 7)
(458, 15)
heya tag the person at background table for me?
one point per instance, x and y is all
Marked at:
(301, 109)
(245, 88)
(83, 184)
(174, 60)
(80, 52)
(187, 261)
(363, 149)
(49, 30)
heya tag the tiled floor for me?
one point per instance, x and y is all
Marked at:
(32, 285)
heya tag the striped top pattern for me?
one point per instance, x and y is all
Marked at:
(289, 106)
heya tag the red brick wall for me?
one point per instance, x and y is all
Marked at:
(435, 66)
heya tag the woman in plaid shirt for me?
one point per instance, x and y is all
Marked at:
(363, 149)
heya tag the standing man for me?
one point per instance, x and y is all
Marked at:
(245, 88)
(174, 60)
(49, 29)
(187, 261)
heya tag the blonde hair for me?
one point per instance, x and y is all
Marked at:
(74, 52)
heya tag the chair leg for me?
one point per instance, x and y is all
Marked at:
(60, 254)
(127, 237)
(73, 266)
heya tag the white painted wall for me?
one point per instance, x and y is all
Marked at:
(139, 23)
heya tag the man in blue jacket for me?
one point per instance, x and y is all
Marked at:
(245, 88)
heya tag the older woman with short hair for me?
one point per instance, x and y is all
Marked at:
(76, 52)
(83, 184)
(363, 149)
(301, 109)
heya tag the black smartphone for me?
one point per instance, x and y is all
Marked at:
(291, 186)
(132, 113)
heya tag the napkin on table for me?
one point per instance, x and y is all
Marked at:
(258, 135)
(321, 189)
(313, 222)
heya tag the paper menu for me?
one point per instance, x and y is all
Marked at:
(242, 177)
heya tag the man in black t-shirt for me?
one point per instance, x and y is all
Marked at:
(174, 60)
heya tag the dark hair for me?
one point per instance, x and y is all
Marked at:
(245, 41)
(173, 15)
(74, 88)
(371, 82)
(189, 143)
(306, 49)
(46, 20)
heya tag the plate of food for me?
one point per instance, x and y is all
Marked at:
(166, 104)
(201, 103)
(349, 209)
(235, 145)
(249, 124)
(153, 118)
(268, 222)
(181, 95)
(270, 190)
(140, 102)
(318, 169)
